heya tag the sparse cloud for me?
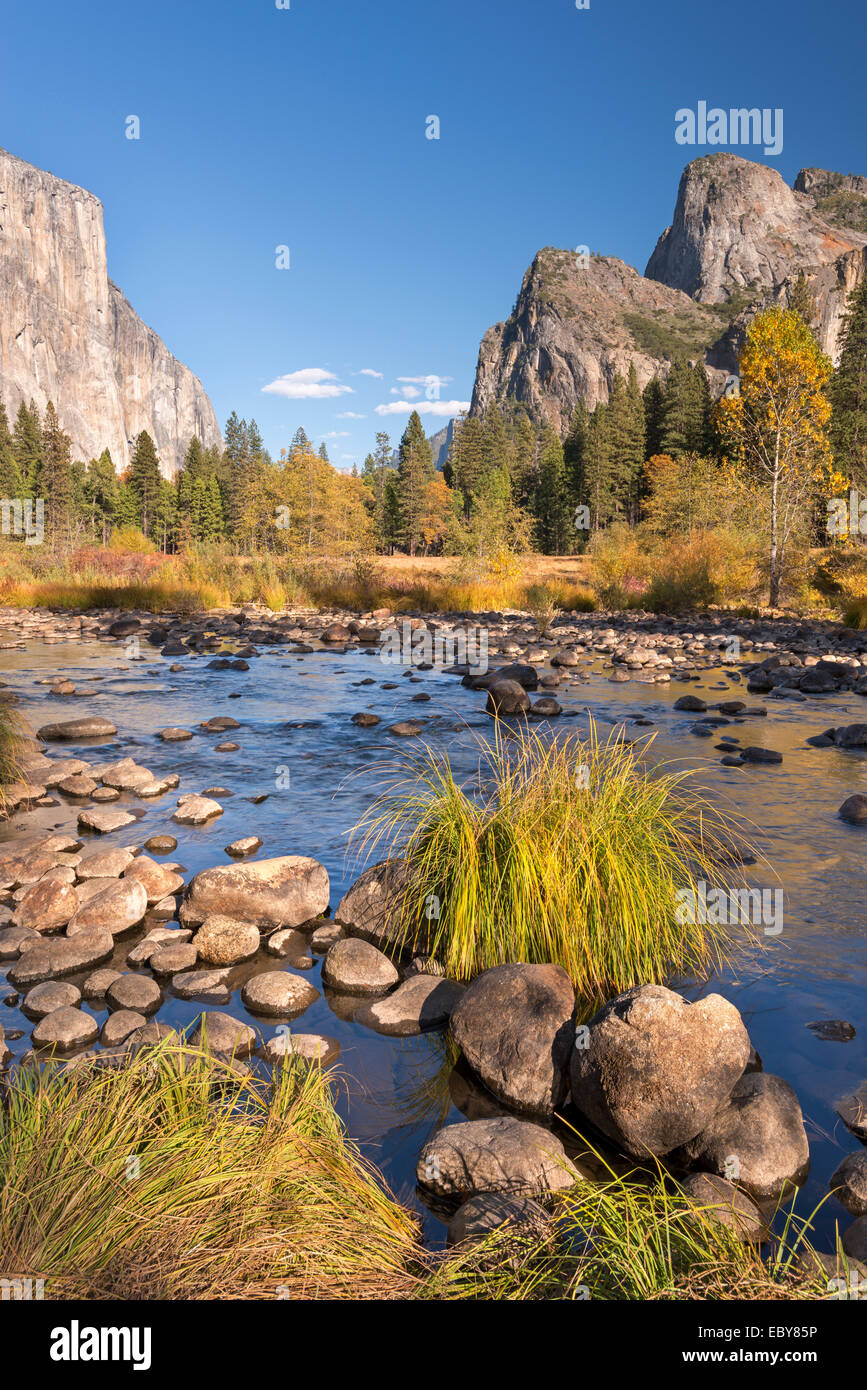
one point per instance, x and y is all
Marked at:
(409, 392)
(430, 380)
(350, 415)
(444, 408)
(335, 434)
(368, 371)
(308, 384)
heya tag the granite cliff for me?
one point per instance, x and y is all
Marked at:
(67, 333)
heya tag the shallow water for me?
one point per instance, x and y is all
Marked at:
(320, 772)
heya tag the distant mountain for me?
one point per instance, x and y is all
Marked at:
(440, 444)
(67, 334)
(738, 239)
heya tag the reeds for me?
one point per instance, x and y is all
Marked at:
(560, 850)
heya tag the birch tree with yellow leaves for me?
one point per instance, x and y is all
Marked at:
(774, 427)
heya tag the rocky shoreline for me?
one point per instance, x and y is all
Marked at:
(649, 1077)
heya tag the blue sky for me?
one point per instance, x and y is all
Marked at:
(305, 127)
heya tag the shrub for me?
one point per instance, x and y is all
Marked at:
(559, 851)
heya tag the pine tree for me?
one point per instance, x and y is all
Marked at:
(553, 518)
(848, 393)
(323, 452)
(102, 495)
(654, 407)
(56, 477)
(574, 449)
(415, 470)
(686, 411)
(145, 483)
(11, 482)
(599, 470)
(27, 448)
(469, 459)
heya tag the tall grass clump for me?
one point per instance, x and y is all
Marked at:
(562, 850)
(173, 1177)
(13, 733)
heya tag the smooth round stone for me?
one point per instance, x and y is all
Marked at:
(90, 726)
(79, 784)
(48, 905)
(43, 999)
(278, 994)
(175, 735)
(170, 959)
(310, 1047)
(227, 747)
(103, 794)
(158, 880)
(196, 810)
(224, 1034)
(103, 861)
(727, 1205)
(356, 967)
(98, 982)
(854, 809)
(137, 992)
(119, 1026)
(116, 908)
(161, 844)
(65, 1029)
(209, 986)
(225, 941)
(855, 1239)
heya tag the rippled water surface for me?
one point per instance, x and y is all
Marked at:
(295, 712)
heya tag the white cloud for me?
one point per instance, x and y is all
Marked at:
(409, 392)
(367, 371)
(335, 434)
(446, 408)
(350, 415)
(311, 383)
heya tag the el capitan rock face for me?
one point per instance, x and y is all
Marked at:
(738, 239)
(67, 334)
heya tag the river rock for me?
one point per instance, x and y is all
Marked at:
(43, 999)
(310, 1047)
(282, 892)
(89, 726)
(421, 1003)
(210, 986)
(651, 1070)
(65, 1029)
(479, 1216)
(757, 1136)
(116, 908)
(849, 1183)
(196, 810)
(157, 880)
(514, 1025)
(98, 982)
(78, 784)
(46, 906)
(13, 940)
(137, 992)
(357, 967)
(222, 1033)
(372, 909)
(720, 1201)
(854, 809)
(507, 697)
(161, 844)
(103, 822)
(853, 1112)
(501, 1154)
(324, 937)
(171, 959)
(52, 957)
(278, 994)
(855, 1240)
(175, 735)
(103, 861)
(120, 1026)
(248, 845)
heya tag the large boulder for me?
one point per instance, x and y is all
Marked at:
(372, 909)
(52, 957)
(507, 697)
(757, 1138)
(157, 881)
(225, 941)
(514, 1025)
(117, 907)
(283, 892)
(47, 905)
(501, 1154)
(651, 1070)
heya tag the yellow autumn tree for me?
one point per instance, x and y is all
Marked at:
(775, 428)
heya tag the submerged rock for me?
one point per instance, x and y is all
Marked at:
(89, 726)
(421, 1003)
(757, 1137)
